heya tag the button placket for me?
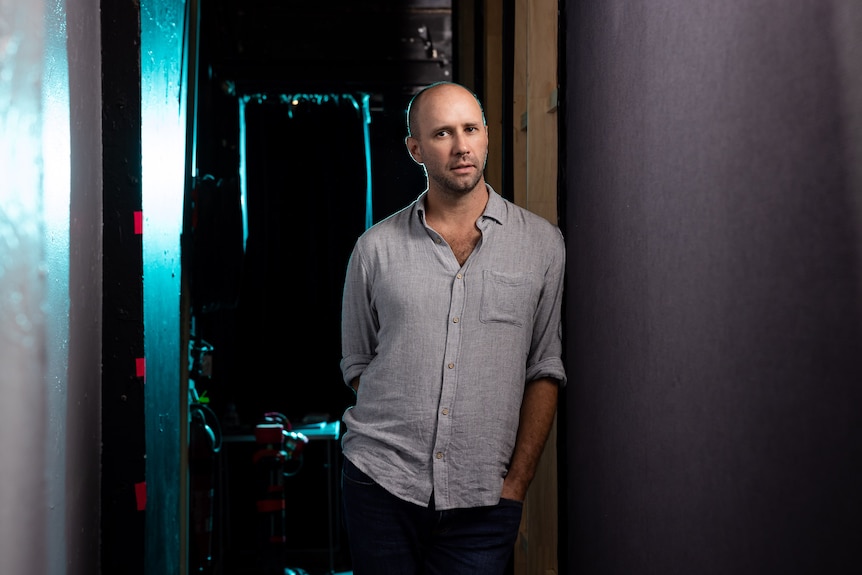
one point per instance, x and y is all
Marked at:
(450, 384)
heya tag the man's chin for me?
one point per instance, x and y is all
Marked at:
(459, 187)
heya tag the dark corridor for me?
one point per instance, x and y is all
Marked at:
(299, 143)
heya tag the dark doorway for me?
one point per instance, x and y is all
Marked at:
(299, 148)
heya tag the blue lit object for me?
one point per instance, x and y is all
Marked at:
(165, 57)
(56, 188)
(243, 186)
(366, 124)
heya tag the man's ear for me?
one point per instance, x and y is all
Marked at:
(413, 149)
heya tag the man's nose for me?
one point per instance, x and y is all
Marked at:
(461, 147)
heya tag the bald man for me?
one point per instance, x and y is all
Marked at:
(452, 341)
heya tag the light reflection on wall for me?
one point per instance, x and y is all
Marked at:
(56, 209)
(163, 144)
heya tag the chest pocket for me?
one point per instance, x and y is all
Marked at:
(505, 298)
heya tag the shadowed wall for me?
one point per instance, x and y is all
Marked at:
(713, 217)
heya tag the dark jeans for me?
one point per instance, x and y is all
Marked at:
(389, 536)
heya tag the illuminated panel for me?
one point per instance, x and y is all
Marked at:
(56, 185)
(163, 149)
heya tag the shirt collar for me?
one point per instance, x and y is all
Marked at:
(494, 209)
(496, 206)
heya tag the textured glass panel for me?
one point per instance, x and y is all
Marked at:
(22, 290)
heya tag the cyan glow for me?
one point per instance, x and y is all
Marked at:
(163, 141)
(56, 183)
(55, 133)
(243, 187)
(366, 125)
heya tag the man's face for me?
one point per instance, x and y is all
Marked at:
(450, 139)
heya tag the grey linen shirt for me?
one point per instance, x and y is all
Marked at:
(443, 351)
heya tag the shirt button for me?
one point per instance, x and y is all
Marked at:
(439, 455)
(451, 366)
(438, 241)
(454, 320)
(445, 411)
(459, 276)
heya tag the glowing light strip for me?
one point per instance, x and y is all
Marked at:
(243, 186)
(366, 126)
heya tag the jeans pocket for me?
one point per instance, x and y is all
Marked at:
(511, 503)
(353, 474)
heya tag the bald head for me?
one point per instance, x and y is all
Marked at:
(415, 106)
(448, 137)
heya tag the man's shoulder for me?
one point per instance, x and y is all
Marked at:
(395, 225)
(529, 219)
(509, 212)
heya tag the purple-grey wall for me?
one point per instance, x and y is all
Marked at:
(713, 219)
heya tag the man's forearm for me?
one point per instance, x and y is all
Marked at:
(537, 417)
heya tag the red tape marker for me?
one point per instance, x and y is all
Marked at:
(141, 495)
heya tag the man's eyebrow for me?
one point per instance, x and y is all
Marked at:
(441, 128)
(450, 127)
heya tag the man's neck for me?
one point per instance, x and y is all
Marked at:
(451, 210)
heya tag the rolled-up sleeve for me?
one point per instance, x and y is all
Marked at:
(358, 320)
(545, 357)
